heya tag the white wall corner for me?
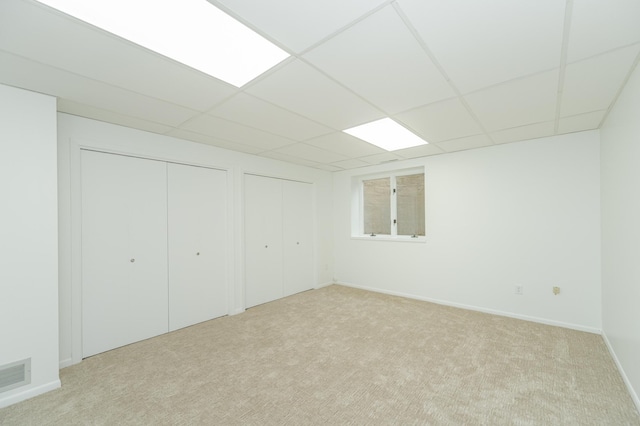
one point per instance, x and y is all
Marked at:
(625, 378)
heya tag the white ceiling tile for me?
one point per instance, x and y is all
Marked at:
(441, 121)
(329, 168)
(20, 72)
(196, 137)
(419, 151)
(480, 43)
(299, 24)
(580, 122)
(74, 108)
(300, 88)
(350, 164)
(360, 63)
(516, 103)
(598, 26)
(380, 59)
(234, 132)
(289, 158)
(345, 144)
(593, 83)
(469, 142)
(254, 112)
(532, 131)
(311, 153)
(47, 36)
(381, 158)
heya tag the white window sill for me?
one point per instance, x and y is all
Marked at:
(401, 239)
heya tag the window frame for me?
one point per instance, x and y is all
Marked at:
(357, 210)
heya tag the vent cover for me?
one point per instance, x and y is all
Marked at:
(15, 375)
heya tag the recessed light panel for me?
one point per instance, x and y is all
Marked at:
(193, 32)
(387, 134)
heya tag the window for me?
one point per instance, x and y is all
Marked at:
(390, 206)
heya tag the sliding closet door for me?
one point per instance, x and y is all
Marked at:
(197, 236)
(297, 214)
(124, 250)
(263, 239)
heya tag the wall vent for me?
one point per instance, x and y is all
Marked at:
(15, 375)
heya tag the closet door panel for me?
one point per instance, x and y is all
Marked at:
(124, 254)
(197, 237)
(297, 201)
(263, 240)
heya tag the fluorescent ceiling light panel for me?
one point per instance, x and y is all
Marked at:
(387, 134)
(193, 32)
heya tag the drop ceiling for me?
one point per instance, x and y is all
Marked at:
(461, 74)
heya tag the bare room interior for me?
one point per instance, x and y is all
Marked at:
(336, 212)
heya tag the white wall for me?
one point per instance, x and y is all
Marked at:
(28, 239)
(620, 140)
(526, 213)
(75, 132)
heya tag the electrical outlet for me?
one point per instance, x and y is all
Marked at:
(556, 290)
(518, 290)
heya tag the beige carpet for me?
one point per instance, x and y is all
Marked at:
(343, 356)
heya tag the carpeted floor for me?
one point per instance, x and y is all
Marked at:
(338, 355)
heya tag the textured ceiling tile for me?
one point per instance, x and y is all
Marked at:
(289, 158)
(329, 168)
(592, 84)
(577, 123)
(469, 142)
(532, 131)
(599, 26)
(228, 130)
(311, 153)
(254, 112)
(350, 164)
(345, 144)
(441, 121)
(300, 88)
(419, 151)
(74, 108)
(196, 137)
(380, 59)
(481, 43)
(299, 24)
(516, 103)
(381, 158)
(20, 72)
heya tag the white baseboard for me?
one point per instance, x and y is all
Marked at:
(236, 311)
(64, 363)
(479, 309)
(627, 382)
(29, 393)
(327, 284)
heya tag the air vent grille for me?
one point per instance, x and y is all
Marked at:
(15, 375)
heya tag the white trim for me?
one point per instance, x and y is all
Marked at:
(625, 378)
(391, 238)
(479, 309)
(64, 363)
(29, 393)
(322, 285)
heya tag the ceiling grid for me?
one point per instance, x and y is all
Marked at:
(459, 74)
